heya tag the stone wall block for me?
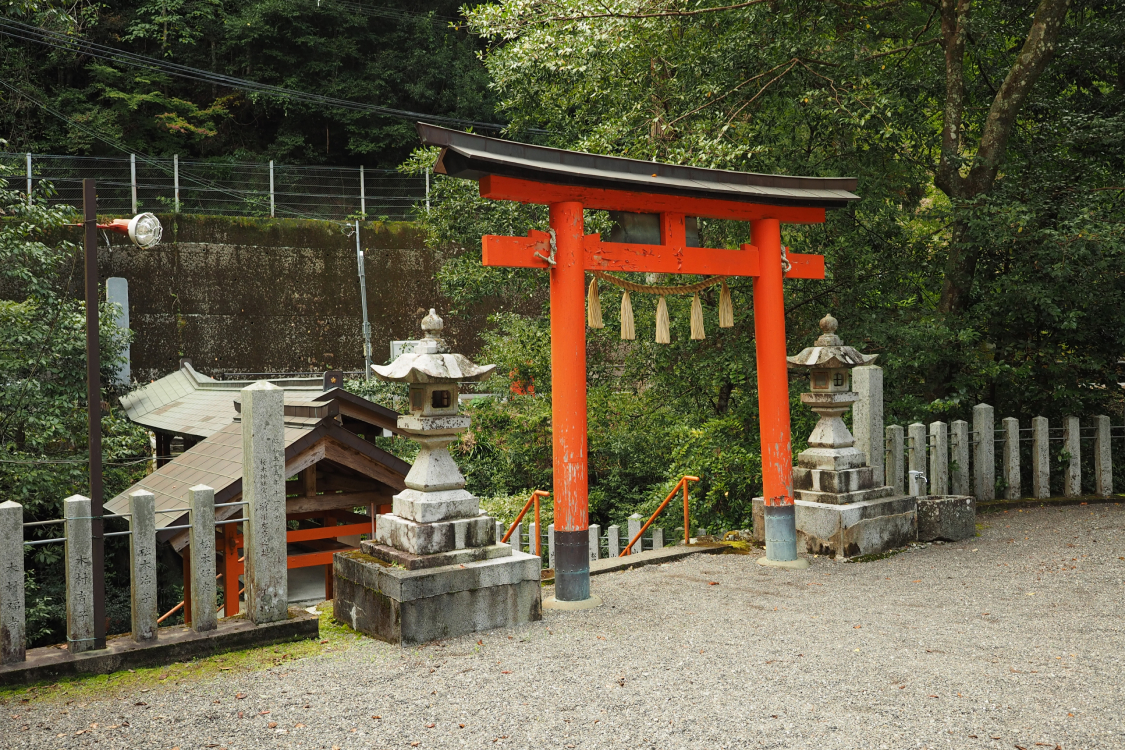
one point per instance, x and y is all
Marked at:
(13, 617)
(1040, 458)
(1072, 444)
(939, 458)
(1103, 460)
(143, 606)
(984, 453)
(916, 459)
(895, 465)
(79, 567)
(959, 448)
(1010, 426)
(201, 500)
(867, 414)
(263, 489)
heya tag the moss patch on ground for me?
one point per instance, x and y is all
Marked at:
(335, 637)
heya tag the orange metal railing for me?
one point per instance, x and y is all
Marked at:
(538, 531)
(687, 527)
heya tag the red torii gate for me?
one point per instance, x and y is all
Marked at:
(568, 182)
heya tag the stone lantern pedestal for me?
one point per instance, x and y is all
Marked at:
(842, 507)
(435, 568)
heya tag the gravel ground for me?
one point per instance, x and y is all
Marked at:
(1013, 639)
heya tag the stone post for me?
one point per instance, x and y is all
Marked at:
(79, 575)
(532, 532)
(595, 542)
(959, 470)
(657, 537)
(551, 546)
(516, 539)
(939, 458)
(1072, 480)
(201, 501)
(1103, 461)
(142, 566)
(895, 468)
(984, 455)
(1040, 458)
(1011, 428)
(13, 618)
(499, 531)
(263, 489)
(613, 541)
(916, 450)
(635, 522)
(867, 414)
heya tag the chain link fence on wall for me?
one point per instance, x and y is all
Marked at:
(131, 184)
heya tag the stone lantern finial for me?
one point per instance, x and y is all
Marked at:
(432, 324)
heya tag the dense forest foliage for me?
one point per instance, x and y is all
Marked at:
(985, 260)
(399, 55)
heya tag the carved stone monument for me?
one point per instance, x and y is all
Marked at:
(842, 507)
(435, 568)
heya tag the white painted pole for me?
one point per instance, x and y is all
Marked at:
(362, 194)
(29, 178)
(363, 304)
(133, 179)
(427, 191)
(176, 179)
(271, 190)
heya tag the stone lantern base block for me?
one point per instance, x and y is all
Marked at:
(417, 562)
(430, 507)
(431, 538)
(416, 606)
(949, 518)
(868, 527)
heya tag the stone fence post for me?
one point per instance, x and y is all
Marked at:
(939, 459)
(142, 566)
(532, 535)
(1011, 428)
(657, 537)
(867, 414)
(1103, 461)
(551, 546)
(916, 450)
(499, 531)
(984, 455)
(201, 501)
(263, 489)
(959, 446)
(1040, 458)
(516, 539)
(13, 617)
(1072, 480)
(595, 542)
(613, 541)
(635, 522)
(895, 468)
(79, 567)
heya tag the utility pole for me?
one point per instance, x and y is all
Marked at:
(363, 303)
(94, 404)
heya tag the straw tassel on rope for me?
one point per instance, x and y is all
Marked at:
(697, 333)
(594, 307)
(628, 333)
(663, 335)
(726, 309)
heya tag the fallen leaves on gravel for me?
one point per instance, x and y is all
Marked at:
(239, 696)
(272, 725)
(431, 725)
(712, 583)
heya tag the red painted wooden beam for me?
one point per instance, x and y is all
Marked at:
(500, 188)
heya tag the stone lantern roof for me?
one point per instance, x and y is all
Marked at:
(429, 363)
(829, 351)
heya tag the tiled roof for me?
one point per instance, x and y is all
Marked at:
(189, 403)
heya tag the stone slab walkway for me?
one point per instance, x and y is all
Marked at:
(1011, 639)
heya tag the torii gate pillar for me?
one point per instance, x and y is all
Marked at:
(568, 404)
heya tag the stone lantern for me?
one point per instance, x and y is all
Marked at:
(830, 363)
(435, 568)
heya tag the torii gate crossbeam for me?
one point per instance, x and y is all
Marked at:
(569, 182)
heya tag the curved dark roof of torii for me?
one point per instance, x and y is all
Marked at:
(475, 156)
